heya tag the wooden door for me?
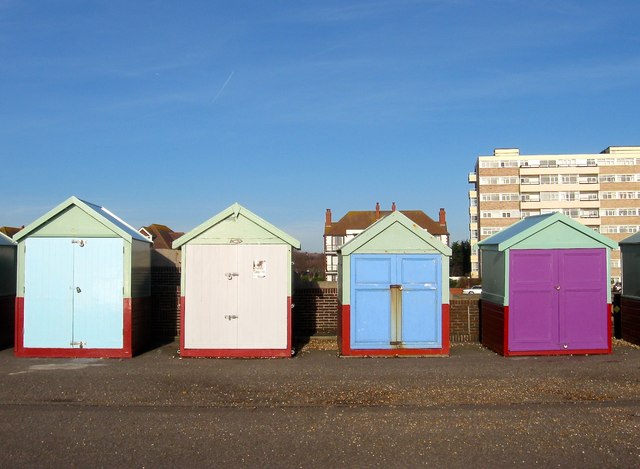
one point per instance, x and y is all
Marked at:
(211, 297)
(557, 300)
(396, 301)
(236, 297)
(73, 293)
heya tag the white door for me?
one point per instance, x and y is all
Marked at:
(262, 302)
(211, 297)
(236, 297)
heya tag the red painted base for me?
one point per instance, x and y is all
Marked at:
(133, 309)
(233, 353)
(495, 334)
(344, 339)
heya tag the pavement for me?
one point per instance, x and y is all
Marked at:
(318, 410)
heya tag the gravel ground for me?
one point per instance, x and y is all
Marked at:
(316, 409)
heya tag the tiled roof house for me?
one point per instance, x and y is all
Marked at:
(355, 221)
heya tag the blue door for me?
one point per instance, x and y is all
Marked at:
(73, 293)
(396, 301)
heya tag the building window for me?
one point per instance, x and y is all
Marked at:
(589, 213)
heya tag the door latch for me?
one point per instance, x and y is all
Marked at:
(79, 344)
(78, 289)
(231, 316)
(230, 275)
(557, 287)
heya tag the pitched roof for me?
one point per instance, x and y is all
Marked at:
(162, 236)
(235, 210)
(361, 219)
(528, 226)
(97, 212)
(633, 239)
(6, 241)
(10, 231)
(385, 222)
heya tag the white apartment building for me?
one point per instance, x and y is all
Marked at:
(600, 190)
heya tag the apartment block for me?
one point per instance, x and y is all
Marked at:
(600, 190)
(337, 233)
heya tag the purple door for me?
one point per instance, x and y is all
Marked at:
(557, 300)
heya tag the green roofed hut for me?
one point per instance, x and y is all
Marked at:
(630, 298)
(236, 285)
(7, 290)
(83, 285)
(545, 288)
(393, 291)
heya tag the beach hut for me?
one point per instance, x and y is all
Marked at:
(83, 284)
(545, 288)
(236, 285)
(393, 291)
(7, 290)
(630, 299)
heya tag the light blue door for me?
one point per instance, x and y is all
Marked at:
(98, 293)
(374, 322)
(73, 293)
(371, 276)
(48, 295)
(421, 278)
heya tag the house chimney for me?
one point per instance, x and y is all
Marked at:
(327, 217)
(377, 210)
(393, 206)
(443, 217)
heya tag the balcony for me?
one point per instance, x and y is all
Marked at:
(473, 178)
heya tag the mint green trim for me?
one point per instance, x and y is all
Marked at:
(532, 233)
(344, 279)
(395, 233)
(236, 224)
(85, 220)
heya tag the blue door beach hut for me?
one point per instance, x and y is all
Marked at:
(7, 290)
(545, 288)
(630, 300)
(236, 285)
(393, 291)
(83, 284)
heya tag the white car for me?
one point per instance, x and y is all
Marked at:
(474, 290)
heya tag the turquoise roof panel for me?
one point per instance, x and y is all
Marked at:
(530, 226)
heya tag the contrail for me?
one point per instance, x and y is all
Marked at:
(223, 87)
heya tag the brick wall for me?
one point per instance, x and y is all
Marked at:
(165, 302)
(316, 309)
(464, 319)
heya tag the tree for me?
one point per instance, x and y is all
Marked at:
(460, 262)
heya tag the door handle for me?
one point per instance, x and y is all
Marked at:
(78, 289)
(230, 275)
(231, 316)
(557, 287)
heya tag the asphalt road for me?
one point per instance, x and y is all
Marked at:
(474, 408)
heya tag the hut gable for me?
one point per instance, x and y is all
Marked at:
(548, 231)
(236, 224)
(392, 231)
(75, 216)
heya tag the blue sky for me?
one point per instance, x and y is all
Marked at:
(170, 111)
